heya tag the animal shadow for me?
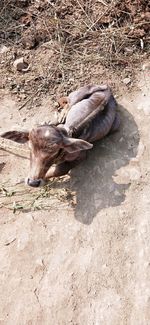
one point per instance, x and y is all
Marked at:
(93, 179)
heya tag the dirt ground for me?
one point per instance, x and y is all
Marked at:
(77, 251)
(86, 259)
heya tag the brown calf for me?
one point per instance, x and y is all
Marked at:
(91, 115)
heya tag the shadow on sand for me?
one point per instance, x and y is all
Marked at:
(93, 179)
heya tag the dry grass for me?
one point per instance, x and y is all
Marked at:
(17, 197)
(112, 32)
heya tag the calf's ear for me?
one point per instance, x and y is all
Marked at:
(17, 136)
(72, 145)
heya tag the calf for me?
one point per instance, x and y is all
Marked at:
(91, 115)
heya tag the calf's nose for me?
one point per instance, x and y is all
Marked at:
(33, 182)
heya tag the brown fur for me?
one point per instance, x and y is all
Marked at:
(89, 107)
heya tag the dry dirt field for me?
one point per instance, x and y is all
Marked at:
(77, 251)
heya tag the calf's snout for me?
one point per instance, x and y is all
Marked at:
(34, 182)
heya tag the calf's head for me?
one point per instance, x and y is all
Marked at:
(45, 143)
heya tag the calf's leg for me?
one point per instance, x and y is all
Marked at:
(64, 167)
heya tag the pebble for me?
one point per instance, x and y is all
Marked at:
(129, 50)
(126, 81)
(21, 65)
(56, 104)
(71, 80)
(146, 66)
(3, 49)
(23, 96)
(18, 87)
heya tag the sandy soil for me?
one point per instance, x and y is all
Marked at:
(85, 262)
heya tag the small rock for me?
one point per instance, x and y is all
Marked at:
(26, 19)
(21, 65)
(23, 96)
(56, 104)
(3, 49)
(18, 87)
(71, 80)
(146, 67)
(39, 261)
(129, 50)
(24, 119)
(12, 86)
(126, 81)
(43, 123)
(29, 41)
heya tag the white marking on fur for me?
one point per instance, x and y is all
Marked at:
(47, 133)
